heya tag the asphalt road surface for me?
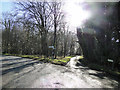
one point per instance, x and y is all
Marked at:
(20, 72)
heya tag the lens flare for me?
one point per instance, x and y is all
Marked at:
(76, 14)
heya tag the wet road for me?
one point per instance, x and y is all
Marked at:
(20, 72)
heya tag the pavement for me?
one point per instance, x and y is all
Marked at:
(20, 72)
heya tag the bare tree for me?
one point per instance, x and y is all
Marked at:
(40, 14)
(57, 17)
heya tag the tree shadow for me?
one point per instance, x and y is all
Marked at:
(19, 68)
(9, 64)
(11, 59)
(78, 64)
(99, 75)
(102, 75)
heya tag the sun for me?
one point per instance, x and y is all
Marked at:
(76, 15)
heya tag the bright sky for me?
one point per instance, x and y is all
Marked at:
(76, 13)
(6, 5)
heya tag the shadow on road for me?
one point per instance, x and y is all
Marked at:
(17, 69)
(100, 75)
(11, 59)
(9, 64)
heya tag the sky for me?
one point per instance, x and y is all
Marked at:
(6, 6)
(74, 18)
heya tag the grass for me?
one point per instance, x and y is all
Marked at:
(7, 54)
(62, 61)
(81, 57)
(58, 61)
(30, 56)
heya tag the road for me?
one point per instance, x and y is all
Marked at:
(20, 72)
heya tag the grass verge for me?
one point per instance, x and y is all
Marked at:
(59, 61)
